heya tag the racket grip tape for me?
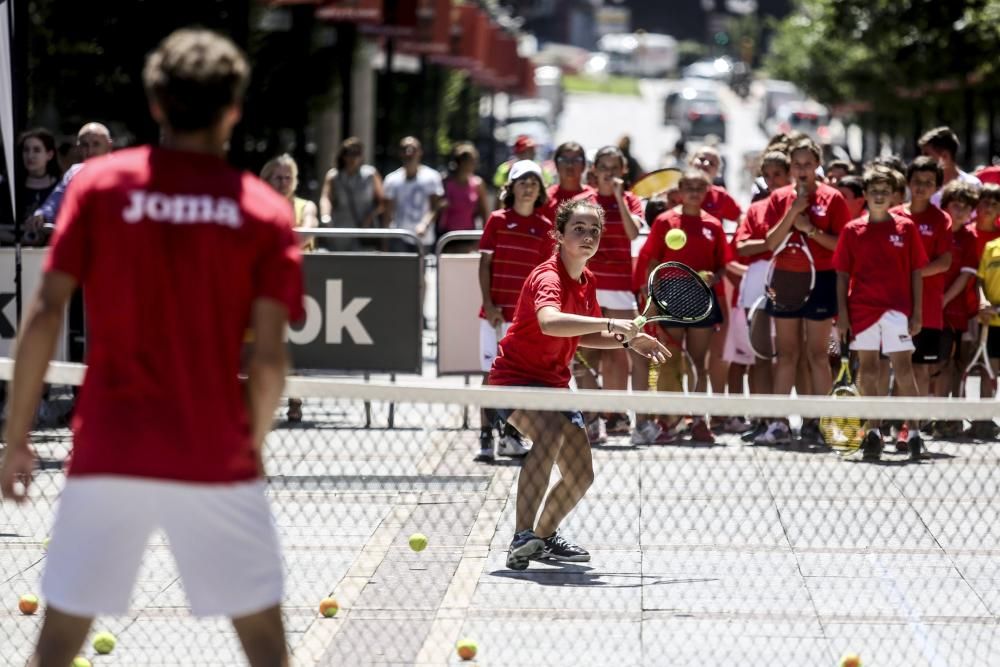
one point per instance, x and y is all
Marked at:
(640, 321)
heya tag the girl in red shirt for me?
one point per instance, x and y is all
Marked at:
(612, 267)
(558, 311)
(706, 251)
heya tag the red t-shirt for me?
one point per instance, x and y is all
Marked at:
(706, 249)
(172, 249)
(526, 356)
(753, 226)
(964, 259)
(983, 236)
(720, 205)
(518, 245)
(880, 259)
(989, 175)
(612, 265)
(934, 228)
(556, 196)
(827, 211)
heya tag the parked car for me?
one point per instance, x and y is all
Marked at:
(696, 112)
(715, 69)
(531, 108)
(773, 93)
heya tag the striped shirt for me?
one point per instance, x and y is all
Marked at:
(518, 244)
(612, 265)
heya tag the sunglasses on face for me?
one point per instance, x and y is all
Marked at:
(570, 160)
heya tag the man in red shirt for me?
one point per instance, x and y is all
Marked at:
(879, 283)
(924, 177)
(179, 254)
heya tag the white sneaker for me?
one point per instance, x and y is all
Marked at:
(595, 431)
(646, 433)
(511, 445)
(776, 433)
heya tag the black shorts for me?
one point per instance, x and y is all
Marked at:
(930, 347)
(822, 303)
(575, 417)
(715, 317)
(993, 343)
(951, 343)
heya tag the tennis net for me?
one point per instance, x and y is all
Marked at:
(719, 554)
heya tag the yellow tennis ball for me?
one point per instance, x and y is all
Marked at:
(466, 648)
(45, 544)
(328, 607)
(418, 541)
(676, 238)
(28, 604)
(104, 642)
(850, 660)
(80, 661)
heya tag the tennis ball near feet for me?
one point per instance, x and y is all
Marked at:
(45, 544)
(28, 604)
(466, 649)
(676, 238)
(328, 607)
(80, 661)
(104, 642)
(418, 541)
(850, 660)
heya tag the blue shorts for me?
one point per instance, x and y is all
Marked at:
(822, 303)
(575, 417)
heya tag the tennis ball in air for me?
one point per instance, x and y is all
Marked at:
(676, 238)
(28, 604)
(104, 642)
(328, 607)
(466, 648)
(850, 660)
(418, 541)
(80, 661)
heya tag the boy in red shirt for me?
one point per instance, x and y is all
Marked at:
(924, 177)
(879, 258)
(612, 268)
(515, 240)
(178, 254)
(987, 214)
(556, 312)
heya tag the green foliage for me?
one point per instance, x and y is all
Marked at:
(895, 54)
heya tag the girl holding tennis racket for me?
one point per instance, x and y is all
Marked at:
(556, 312)
(804, 220)
(705, 250)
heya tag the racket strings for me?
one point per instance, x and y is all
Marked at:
(681, 294)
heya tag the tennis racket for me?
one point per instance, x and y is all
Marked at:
(791, 274)
(761, 330)
(678, 294)
(843, 434)
(656, 182)
(980, 365)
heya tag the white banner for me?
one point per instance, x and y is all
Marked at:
(32, 261)
(7, 97)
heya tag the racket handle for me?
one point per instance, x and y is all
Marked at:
(640, 321)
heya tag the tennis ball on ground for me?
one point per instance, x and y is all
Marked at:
(676, 238)
(45, 544)
(104, 642)
(850, 660)
(80, 661)
(328, 607)
(418, 541)
(466, 648)
(28, 604)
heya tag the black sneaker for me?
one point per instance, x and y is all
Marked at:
(525, 546)
(916, 448)
(871, 446)
(559, 548)
(810, 430)
(758, 429)
(485, 454)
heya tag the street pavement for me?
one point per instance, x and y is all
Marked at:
(702, 555)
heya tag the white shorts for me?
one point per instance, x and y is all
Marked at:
(890, 334)
(736, 349)
(222, 537)
(616, 299)
(488, 342)
(753, 284)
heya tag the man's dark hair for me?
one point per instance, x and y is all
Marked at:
(194, 75)
(852, 183)
(569, 147)
(924, 163)
(941, 139)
